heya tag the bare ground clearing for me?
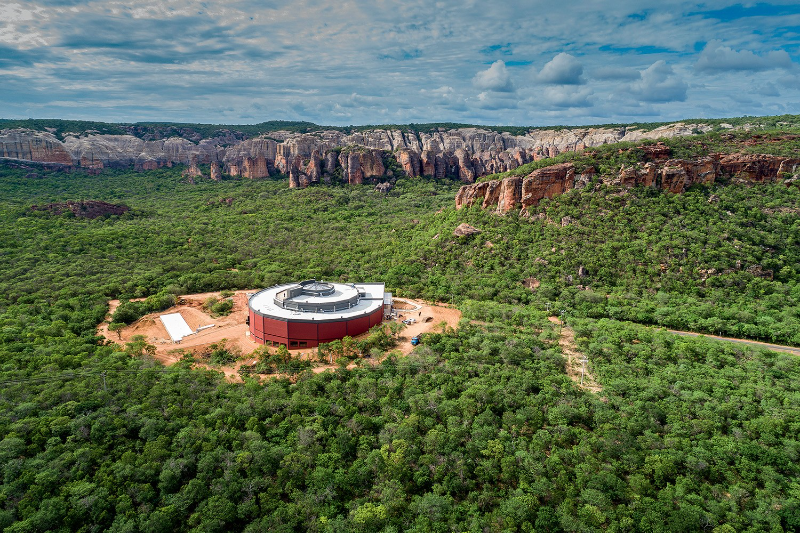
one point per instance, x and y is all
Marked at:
(566, 341)
(233, 330)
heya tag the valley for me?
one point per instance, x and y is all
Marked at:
(485, 425)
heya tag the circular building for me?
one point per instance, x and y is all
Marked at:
(302, 315)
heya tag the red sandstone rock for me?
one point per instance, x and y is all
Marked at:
(351, 166)
(313, 169)
(294, 178)
(409, 160)
(674, 175)
(216, 172)
(656, 152)
(469, 194)
(428, 161)
(510, 194)
(372, 164)
(84, 209)
(492, 195)
(193, 170)
(466, 172)
(547, 182)
(255, 167)
(755, 167)
(465, 230)
(33, 146)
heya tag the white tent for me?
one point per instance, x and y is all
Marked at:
(176, 326)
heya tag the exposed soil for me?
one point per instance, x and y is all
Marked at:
(437, 313)
(233, 329)
(574, 366)
(794, 350)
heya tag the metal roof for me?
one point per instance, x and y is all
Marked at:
(372, 297)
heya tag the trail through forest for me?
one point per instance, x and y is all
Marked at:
(773, 347)
(566, 341)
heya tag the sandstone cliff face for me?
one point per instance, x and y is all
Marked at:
(673, 175)
(465, 154)
(33, 146)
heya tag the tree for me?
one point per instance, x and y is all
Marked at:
(117, 328)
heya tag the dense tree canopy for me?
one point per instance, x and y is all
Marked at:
(479, 429)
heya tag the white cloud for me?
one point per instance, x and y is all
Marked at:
(567, 97)
(563, 69)
(659, 83)
(495, 101)
(495, 78)
(716, 58)
(18, 25)
(364, 62)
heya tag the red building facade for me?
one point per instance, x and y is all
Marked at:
(305, 314)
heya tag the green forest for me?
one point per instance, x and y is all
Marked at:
(161, 130)
(479, 429)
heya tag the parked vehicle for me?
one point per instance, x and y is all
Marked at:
(415, 340)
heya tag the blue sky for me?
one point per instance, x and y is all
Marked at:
(378, 62)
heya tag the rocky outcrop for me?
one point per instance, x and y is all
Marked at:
(410, 162)
(384, 187)
(672, 175)
(517, 191)
(314, 167)
(216, 171)
(321, 156)
(193, 170)
(84, 209)
(756, 167)
(546, 183)
(510, 194)
(465, 230)
(40, 147)
(358, 164)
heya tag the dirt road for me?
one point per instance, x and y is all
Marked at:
(767, 346)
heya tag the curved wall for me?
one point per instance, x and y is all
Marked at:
(309, 333)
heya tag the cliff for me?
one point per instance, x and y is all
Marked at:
(673, 175)
(325, 155)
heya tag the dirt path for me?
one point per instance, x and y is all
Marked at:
(773, 347)
(566, 341)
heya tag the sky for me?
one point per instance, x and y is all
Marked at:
(520, 63)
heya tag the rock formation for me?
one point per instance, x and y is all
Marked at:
(321, 156)
(84, 209)
(216, 172)
(673, 175)
(465, 230)
(192, 171)
(40, 147)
